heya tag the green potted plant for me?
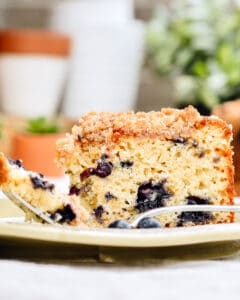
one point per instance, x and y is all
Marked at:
(197, 45)
(35, 145)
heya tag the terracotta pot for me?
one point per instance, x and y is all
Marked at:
(230, 112)
(37, 152)
(30, 61)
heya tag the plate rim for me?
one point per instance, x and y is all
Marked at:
(141, 238)
(17, 228)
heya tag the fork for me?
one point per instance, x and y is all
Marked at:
(185, 208)
(45, 217)
(28, 208)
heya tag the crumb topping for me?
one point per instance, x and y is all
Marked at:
(103, 127)
(107, 128)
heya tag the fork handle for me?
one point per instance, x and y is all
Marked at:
(184, 208)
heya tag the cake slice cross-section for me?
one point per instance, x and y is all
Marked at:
(34, 188)
(123, 164)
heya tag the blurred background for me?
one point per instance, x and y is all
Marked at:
(61, 59)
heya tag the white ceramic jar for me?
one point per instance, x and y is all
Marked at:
(105, 69)
(69, 15)
(108, 50)
(33, 69)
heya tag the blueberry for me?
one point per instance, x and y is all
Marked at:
(64, 215)
(126, 164)
(151, 195)
(120, 224)
(194, 200)
(103, 169)
(194, 143)
(39, 183)
(87, 173)
(104, 157)
(196, 217)
(17, 162)
(180, 140)
(109, 196)
(98, 212)
(74, 190)
(148, 223)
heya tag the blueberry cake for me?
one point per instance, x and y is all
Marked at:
(123, 164)
(40, 193)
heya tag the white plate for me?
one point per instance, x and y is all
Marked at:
(122, 238)
(12, 226)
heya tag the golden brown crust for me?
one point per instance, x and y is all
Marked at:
(4, 169)
(107, 127)
(230, 111)
(228, 153)
(216, 122)
(167, 124)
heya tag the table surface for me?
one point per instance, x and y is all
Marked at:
(165, 279)
(217, 279)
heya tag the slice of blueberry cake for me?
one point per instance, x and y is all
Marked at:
(123, 164)
(40, 193)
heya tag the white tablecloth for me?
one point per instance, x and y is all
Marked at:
(216, 279)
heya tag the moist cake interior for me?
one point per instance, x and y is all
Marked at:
(120, 176)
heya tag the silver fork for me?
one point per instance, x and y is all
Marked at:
(184, 208)
(27, 207)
